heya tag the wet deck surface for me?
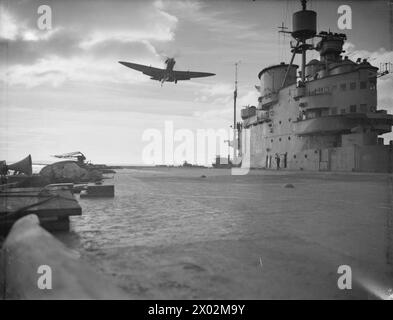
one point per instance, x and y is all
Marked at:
(171, 234)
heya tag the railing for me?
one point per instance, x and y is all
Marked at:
(29, 247)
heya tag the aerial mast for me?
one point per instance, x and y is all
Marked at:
(391, 23)
(234, 114)
(304, 27)
(235, 97)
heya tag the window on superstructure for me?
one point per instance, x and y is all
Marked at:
(373, 85)
(343, 86)
(352, 85)
(363, 85)
(343, 111)
(352, 108)
(333, 110)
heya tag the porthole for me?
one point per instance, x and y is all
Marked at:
(279, 139)
(294, 156)
(289, 138)
(305, 156)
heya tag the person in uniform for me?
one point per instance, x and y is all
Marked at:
(278, 161)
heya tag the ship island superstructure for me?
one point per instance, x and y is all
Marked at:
(324, 117)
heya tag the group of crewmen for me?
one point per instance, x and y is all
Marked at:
(278, 160)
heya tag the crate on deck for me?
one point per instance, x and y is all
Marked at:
(98, 191)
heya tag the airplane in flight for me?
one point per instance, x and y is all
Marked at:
(167, 74)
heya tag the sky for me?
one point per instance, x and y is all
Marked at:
(63, 89)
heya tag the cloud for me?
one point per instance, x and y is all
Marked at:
(54, 71)
(218, 89)
(222, 107)
(187, 8)
(377, 58)
(226, 23)
(385, 83)
(161, 28)
(11, 29)
(82, 47)
(374, 57)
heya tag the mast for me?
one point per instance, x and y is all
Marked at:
(304, 47)
(235, 142)
(304, 24)
(235, 97)
(391, 23)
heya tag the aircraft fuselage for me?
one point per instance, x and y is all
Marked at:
(169, 75)
(170, 63)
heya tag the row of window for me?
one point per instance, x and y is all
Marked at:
(280, 122)
(371, 84)
(280, 139)
(305, 155)
(352, 85)
(317, 113)
(362, 108)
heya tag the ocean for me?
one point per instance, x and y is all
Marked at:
(201, 233)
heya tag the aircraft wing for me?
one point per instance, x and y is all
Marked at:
(187, 75)
(150, 71)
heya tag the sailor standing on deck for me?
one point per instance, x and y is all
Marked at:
(278, 161)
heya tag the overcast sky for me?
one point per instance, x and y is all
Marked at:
(62, 89)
